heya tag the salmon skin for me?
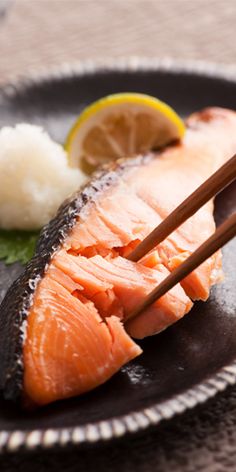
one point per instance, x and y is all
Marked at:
(16, 306)
(62, 329)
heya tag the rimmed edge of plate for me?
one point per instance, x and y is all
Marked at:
(13, 441)
(15, 84)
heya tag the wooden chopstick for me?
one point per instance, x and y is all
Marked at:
(215, 184)
(222, 235)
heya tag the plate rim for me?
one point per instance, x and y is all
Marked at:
(135, 421)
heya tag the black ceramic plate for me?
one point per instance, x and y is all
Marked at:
(193, 359)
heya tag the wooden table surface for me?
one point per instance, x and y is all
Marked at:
(38, 34)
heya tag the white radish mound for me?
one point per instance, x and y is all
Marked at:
(34, 177)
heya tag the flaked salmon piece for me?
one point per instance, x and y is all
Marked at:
(92, 232)
(107, 302)
(65, 314)
(67, 282)
(115, 221)
(118, 285)
(182, 242)
(85, 351)
(152, 259)
(127, 215)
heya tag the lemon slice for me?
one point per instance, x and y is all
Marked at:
(121, 125)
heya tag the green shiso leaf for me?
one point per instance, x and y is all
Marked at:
(17, 246)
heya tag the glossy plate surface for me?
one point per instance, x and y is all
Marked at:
(193, 359)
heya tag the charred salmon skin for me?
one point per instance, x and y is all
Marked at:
(62, 323)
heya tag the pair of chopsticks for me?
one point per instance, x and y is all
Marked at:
(211, 187)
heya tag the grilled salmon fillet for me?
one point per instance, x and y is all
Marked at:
(63, 327)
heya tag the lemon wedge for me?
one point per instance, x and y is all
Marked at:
(121, 125)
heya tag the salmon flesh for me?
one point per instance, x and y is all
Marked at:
(63, 327)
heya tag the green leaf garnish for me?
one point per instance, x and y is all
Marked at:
(17, 246)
